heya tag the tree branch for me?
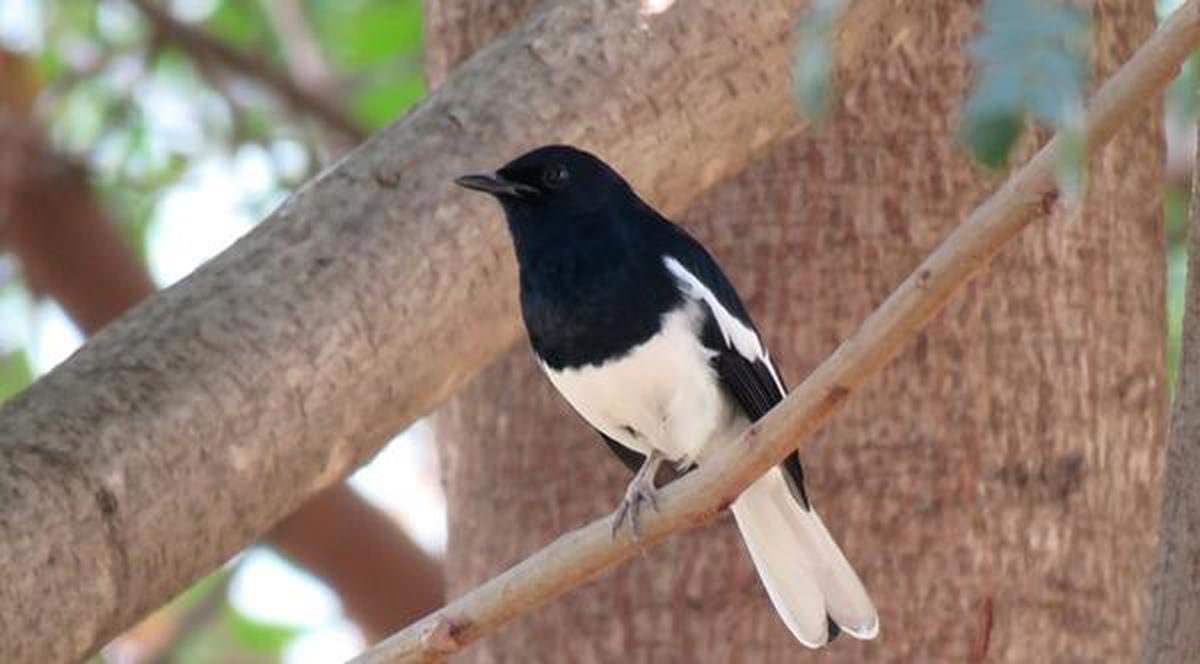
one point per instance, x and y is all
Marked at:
(53, 222)
(205, 47)
(190, 426)
(305, 61)
(699, 497)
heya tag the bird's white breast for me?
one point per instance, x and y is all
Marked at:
(664, 394)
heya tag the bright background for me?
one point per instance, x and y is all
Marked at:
(189, 159)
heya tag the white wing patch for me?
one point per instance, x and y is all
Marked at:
(738, 335)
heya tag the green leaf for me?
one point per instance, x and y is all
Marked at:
(1177, 271)
(812, 59)
(1071, 167)
(242, 24)
(380, 104)
(1031, 60)
(358, 34)
(50, 64)
(261, 637)
(1175, 212)
(74, 16)
(1184, 93)
(213, 582)
(991, 138)
(16, 373)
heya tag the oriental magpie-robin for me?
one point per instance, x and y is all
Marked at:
(641, 331)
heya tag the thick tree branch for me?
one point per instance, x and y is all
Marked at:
(582, 555)
(205, 47)
(1171, 634)
(184, 430)
(68, 248)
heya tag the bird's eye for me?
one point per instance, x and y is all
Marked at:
(555, 177)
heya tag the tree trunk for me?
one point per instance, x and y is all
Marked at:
(1172, 636)
(996, 488)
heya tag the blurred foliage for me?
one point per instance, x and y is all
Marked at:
(1031, 61)
(1184, 93)
(812, 57)
(15, 372)
(1175, 212)
(150, 120)
(144, 112)
(202, 627)
(258, 636)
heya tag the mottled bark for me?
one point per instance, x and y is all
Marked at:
(997, 487)
(187, 428)
(1173, 633)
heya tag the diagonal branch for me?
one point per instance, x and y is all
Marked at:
(579, 556)
(300, 46)
(205, 47)
(305, 60)
(53, 223)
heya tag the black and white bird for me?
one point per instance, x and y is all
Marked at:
(644, 335)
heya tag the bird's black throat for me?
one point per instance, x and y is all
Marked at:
(591, 290)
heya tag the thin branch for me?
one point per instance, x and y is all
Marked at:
(203, 46)
(301, 48)
(305, 60)
(579, 556)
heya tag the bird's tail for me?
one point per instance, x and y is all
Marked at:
(806, 575)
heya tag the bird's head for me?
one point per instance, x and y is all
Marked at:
(551, 183)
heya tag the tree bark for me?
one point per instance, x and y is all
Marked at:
(996, 487)
(53, 222)
(184, 430)
(1172, 634)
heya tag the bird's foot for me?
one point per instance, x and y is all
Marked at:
(640, 491)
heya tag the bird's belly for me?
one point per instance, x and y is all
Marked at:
(662, 395)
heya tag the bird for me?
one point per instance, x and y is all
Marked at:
(639, 329)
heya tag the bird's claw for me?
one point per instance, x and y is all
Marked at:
(639, 492)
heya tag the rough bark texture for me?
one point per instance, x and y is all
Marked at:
(997, 487)
(184, 430)
(1172, 635)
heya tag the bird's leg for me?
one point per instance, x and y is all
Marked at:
(640, 490)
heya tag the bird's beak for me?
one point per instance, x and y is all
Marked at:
(493, 183)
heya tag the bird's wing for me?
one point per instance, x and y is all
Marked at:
(740, 358)
(806, 575)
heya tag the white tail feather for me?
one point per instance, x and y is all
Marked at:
(805, 573)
